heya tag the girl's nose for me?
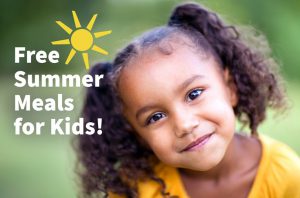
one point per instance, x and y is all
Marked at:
(185, 123)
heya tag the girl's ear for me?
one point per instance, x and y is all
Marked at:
(231, 87)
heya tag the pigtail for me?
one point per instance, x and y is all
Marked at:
(248, 67)
(106, 160)
(97, 153)
(209, 25)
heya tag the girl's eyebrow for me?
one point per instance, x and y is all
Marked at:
(144, 109)
(182, 86)
(188, 81)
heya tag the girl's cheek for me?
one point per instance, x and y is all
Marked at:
(160, 140)
(218, 111)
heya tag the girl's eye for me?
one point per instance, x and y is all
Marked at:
(194, 94)
(155, 117)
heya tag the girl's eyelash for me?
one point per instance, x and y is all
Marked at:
(152, 118)
(194, 93)
(191, 95)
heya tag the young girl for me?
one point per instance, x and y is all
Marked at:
(169, 103)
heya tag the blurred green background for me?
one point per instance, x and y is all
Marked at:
(42, 166)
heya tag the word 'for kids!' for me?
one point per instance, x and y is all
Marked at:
(59, 127)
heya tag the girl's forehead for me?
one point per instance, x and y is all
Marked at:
(154, 66)
(169, 45)
(172, 48)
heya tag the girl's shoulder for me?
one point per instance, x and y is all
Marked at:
(172, 183)
(278, 174)
(149, 188)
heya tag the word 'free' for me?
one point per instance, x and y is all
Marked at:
(40, 56)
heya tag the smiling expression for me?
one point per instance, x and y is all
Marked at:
(181, 105)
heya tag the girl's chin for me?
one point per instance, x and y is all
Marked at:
(209, 163)
(203, 167)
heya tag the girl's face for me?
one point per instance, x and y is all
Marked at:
(181, 105)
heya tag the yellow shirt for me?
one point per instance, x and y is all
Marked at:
(278, 175)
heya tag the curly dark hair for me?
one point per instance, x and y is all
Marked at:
(116, 160)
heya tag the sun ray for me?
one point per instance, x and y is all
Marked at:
(103, 33)
(91, 23)
(81, 39)
(64, 27)
(85, 57)
(71, 55)
(61, 42)
(76, 20)
(99, 49)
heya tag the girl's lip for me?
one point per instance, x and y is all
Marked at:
(197, 143)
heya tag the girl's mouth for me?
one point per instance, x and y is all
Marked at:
(198, 143)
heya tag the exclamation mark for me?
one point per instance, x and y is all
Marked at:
(99, 126)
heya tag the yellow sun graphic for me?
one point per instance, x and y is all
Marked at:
(81, 39)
